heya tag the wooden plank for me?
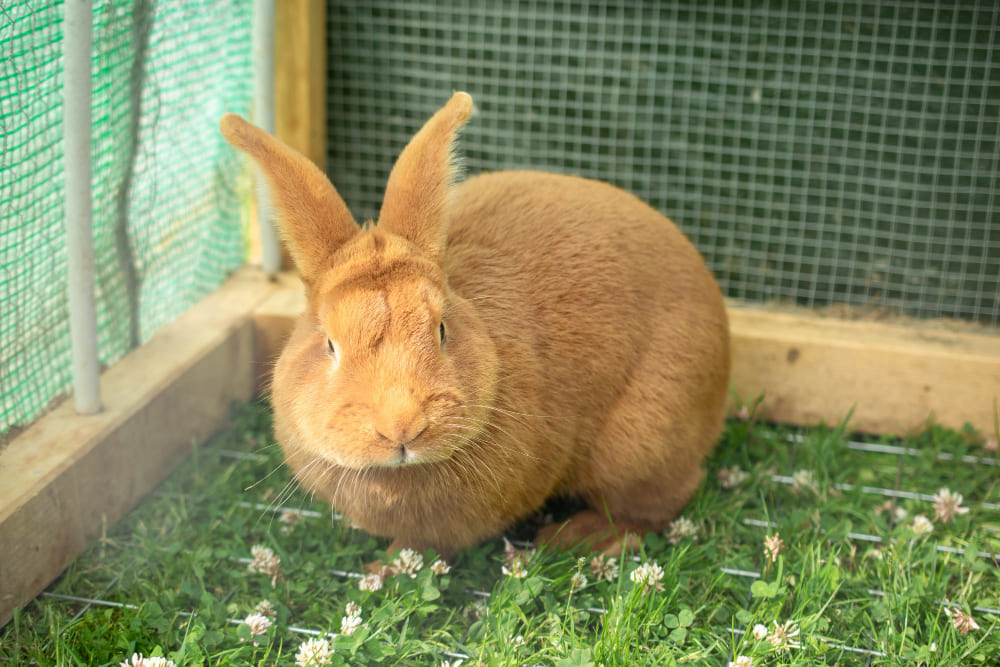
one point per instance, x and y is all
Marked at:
(273, 320)
(894, 377)
(300, 77)
(67, 474)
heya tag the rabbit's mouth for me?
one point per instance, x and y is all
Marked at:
(411, 453)
(428, 447)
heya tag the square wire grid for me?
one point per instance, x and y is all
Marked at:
(818, 153)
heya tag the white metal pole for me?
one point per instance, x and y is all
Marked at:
(263, 56)
(77, 41)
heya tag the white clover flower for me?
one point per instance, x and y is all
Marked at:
(604, 568)
(516, 569)
(439, 567)
(921, 525)
(258, 624)
(681, 528)
(773, 545)
(515, 560)
(730, 478)
(741, 661)
(265, 608)
(803, 480)
(759, 631)
(265, 562)
(138, 661)
(963, 622)
(450, 663)
(947, 505)
(578, 580)
(475, 610)
(784, 636)
(349, 625)
(352, 619)
(288, 520)
(648, 575)
(314, 653)
(370, 582)
(408, 562)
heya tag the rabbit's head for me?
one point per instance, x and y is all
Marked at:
(389, 367)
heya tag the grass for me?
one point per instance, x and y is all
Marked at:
(853, 578)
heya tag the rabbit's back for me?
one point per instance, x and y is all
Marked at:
(583, 256)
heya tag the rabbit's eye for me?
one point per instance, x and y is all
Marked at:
(331, 348)
(441, 336)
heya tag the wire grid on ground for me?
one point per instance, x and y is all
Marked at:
(817, 152)
(167, 209)
(175, 573)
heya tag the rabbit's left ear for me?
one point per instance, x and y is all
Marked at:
(415, 203)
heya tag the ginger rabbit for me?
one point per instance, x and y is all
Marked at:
(488, 345)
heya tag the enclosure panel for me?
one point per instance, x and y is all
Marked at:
(167, 190)
(817, 152)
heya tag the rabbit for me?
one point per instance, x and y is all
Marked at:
(490, 344)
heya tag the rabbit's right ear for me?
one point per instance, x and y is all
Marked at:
(313, 219)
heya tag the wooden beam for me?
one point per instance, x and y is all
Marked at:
(300, 81)
(67, 474)
(894, 377)
(300, 77)
(272, 321)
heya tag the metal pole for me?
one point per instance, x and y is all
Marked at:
(77, 41)
(263, 56)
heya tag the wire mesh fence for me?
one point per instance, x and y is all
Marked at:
(166, 192)
(817, 152)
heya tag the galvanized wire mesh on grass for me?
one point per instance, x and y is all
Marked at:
(817, 152)
(167, 214)
(859, 455)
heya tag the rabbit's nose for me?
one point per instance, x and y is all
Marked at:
(402, 429)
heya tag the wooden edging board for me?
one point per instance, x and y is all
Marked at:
(890, 378)
(67, 475)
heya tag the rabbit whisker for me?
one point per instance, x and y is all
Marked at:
(493, 425)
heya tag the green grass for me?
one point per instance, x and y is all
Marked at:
(860, 586)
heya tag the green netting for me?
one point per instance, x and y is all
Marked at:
(817, 152)
(167, 211)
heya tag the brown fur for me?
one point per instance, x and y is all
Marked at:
(586, 349)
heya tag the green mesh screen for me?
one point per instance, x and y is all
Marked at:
(817, 152)
(167, 212)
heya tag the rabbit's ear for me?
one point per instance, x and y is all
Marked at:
(415, 203)
(313, 219)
